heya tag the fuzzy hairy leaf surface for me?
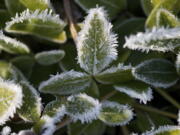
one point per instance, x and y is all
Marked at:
(178, 63)
(11, 45)
(115, 114)
(96, 44)
(117, 74)
(136, 89)
(11, 99)
(49, 57)
(31, 107)
(157, 39)
(113, 7)
(82, 107)
(156, 72)
(66, 83)
(37, 23)
(165, 130)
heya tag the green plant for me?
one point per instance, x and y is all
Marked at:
(97, 94)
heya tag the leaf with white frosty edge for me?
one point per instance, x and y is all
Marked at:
(37, 23)
(115, 114)
(66, 83)
(82, 107)
(11, 45)
(136, 89)
(164, 130)
(156, 72)
(178, 63)
(117, 74)
(31, 107)
(96, 44)
(10, 99)
(157, 39)
(5, 131)
(49, 57)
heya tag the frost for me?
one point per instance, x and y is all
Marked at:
(178, 118)
(157, 39)
(14, 102)
(178, 63)
(6, 131)
(96, 45)
(90, 111)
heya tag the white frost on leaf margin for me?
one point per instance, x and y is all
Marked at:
(141, 40)
(90, 114)
(5, 131)
(15, 103)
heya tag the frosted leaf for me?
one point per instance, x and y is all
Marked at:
(26, 132)
(10, 99)
(178, 63)
(117, 74)
(37, 23)
(31, 107)
(11, 45)
(115, 114)
(5, 131)
(137, 90)
(66, 83)
(164, 130)
(157, 39)
(49, 57)
(82, 107)
(96, 44)
(156, 72)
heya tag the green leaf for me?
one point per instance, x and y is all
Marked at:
(113, 7)
(157, 39)
(49, 57)
(165, 130)
(117, 74)
(96, 43)
(115, 114)
(11, 99)
(167, 19)
(37, 23)
(136, 89)
(66, 83)
(4, 16)
(156, 72)
(147, 6)
(82, 107)
(31, 107)
(11, 45)
(178, 64)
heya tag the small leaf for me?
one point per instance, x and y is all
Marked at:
(115, 114)
(37, 23)
(117, 74)
(66, 83)
(147, 6)
(96, 43)
(164, 130)
(49, 57)
(31, 107)
(158, 39)
(11, 45)
(156, 72)
(11, 99)
(136, 89)
(178, 64)
(113, 7)
(82, 107)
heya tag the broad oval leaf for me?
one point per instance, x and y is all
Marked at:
(11, 45)
(113, 6)
(136, 89)
(31, 107)
(157, 39)
(82, 107)
(66, 83)
(115, 114)
(37, 23)
(156, 72)
(96, 44)
(164, 130)
(49, 57)
(117, 74)
(178, 63)
(11, 99)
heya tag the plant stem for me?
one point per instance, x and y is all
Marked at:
(154, 110)
(68, 12)
(168, 97)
